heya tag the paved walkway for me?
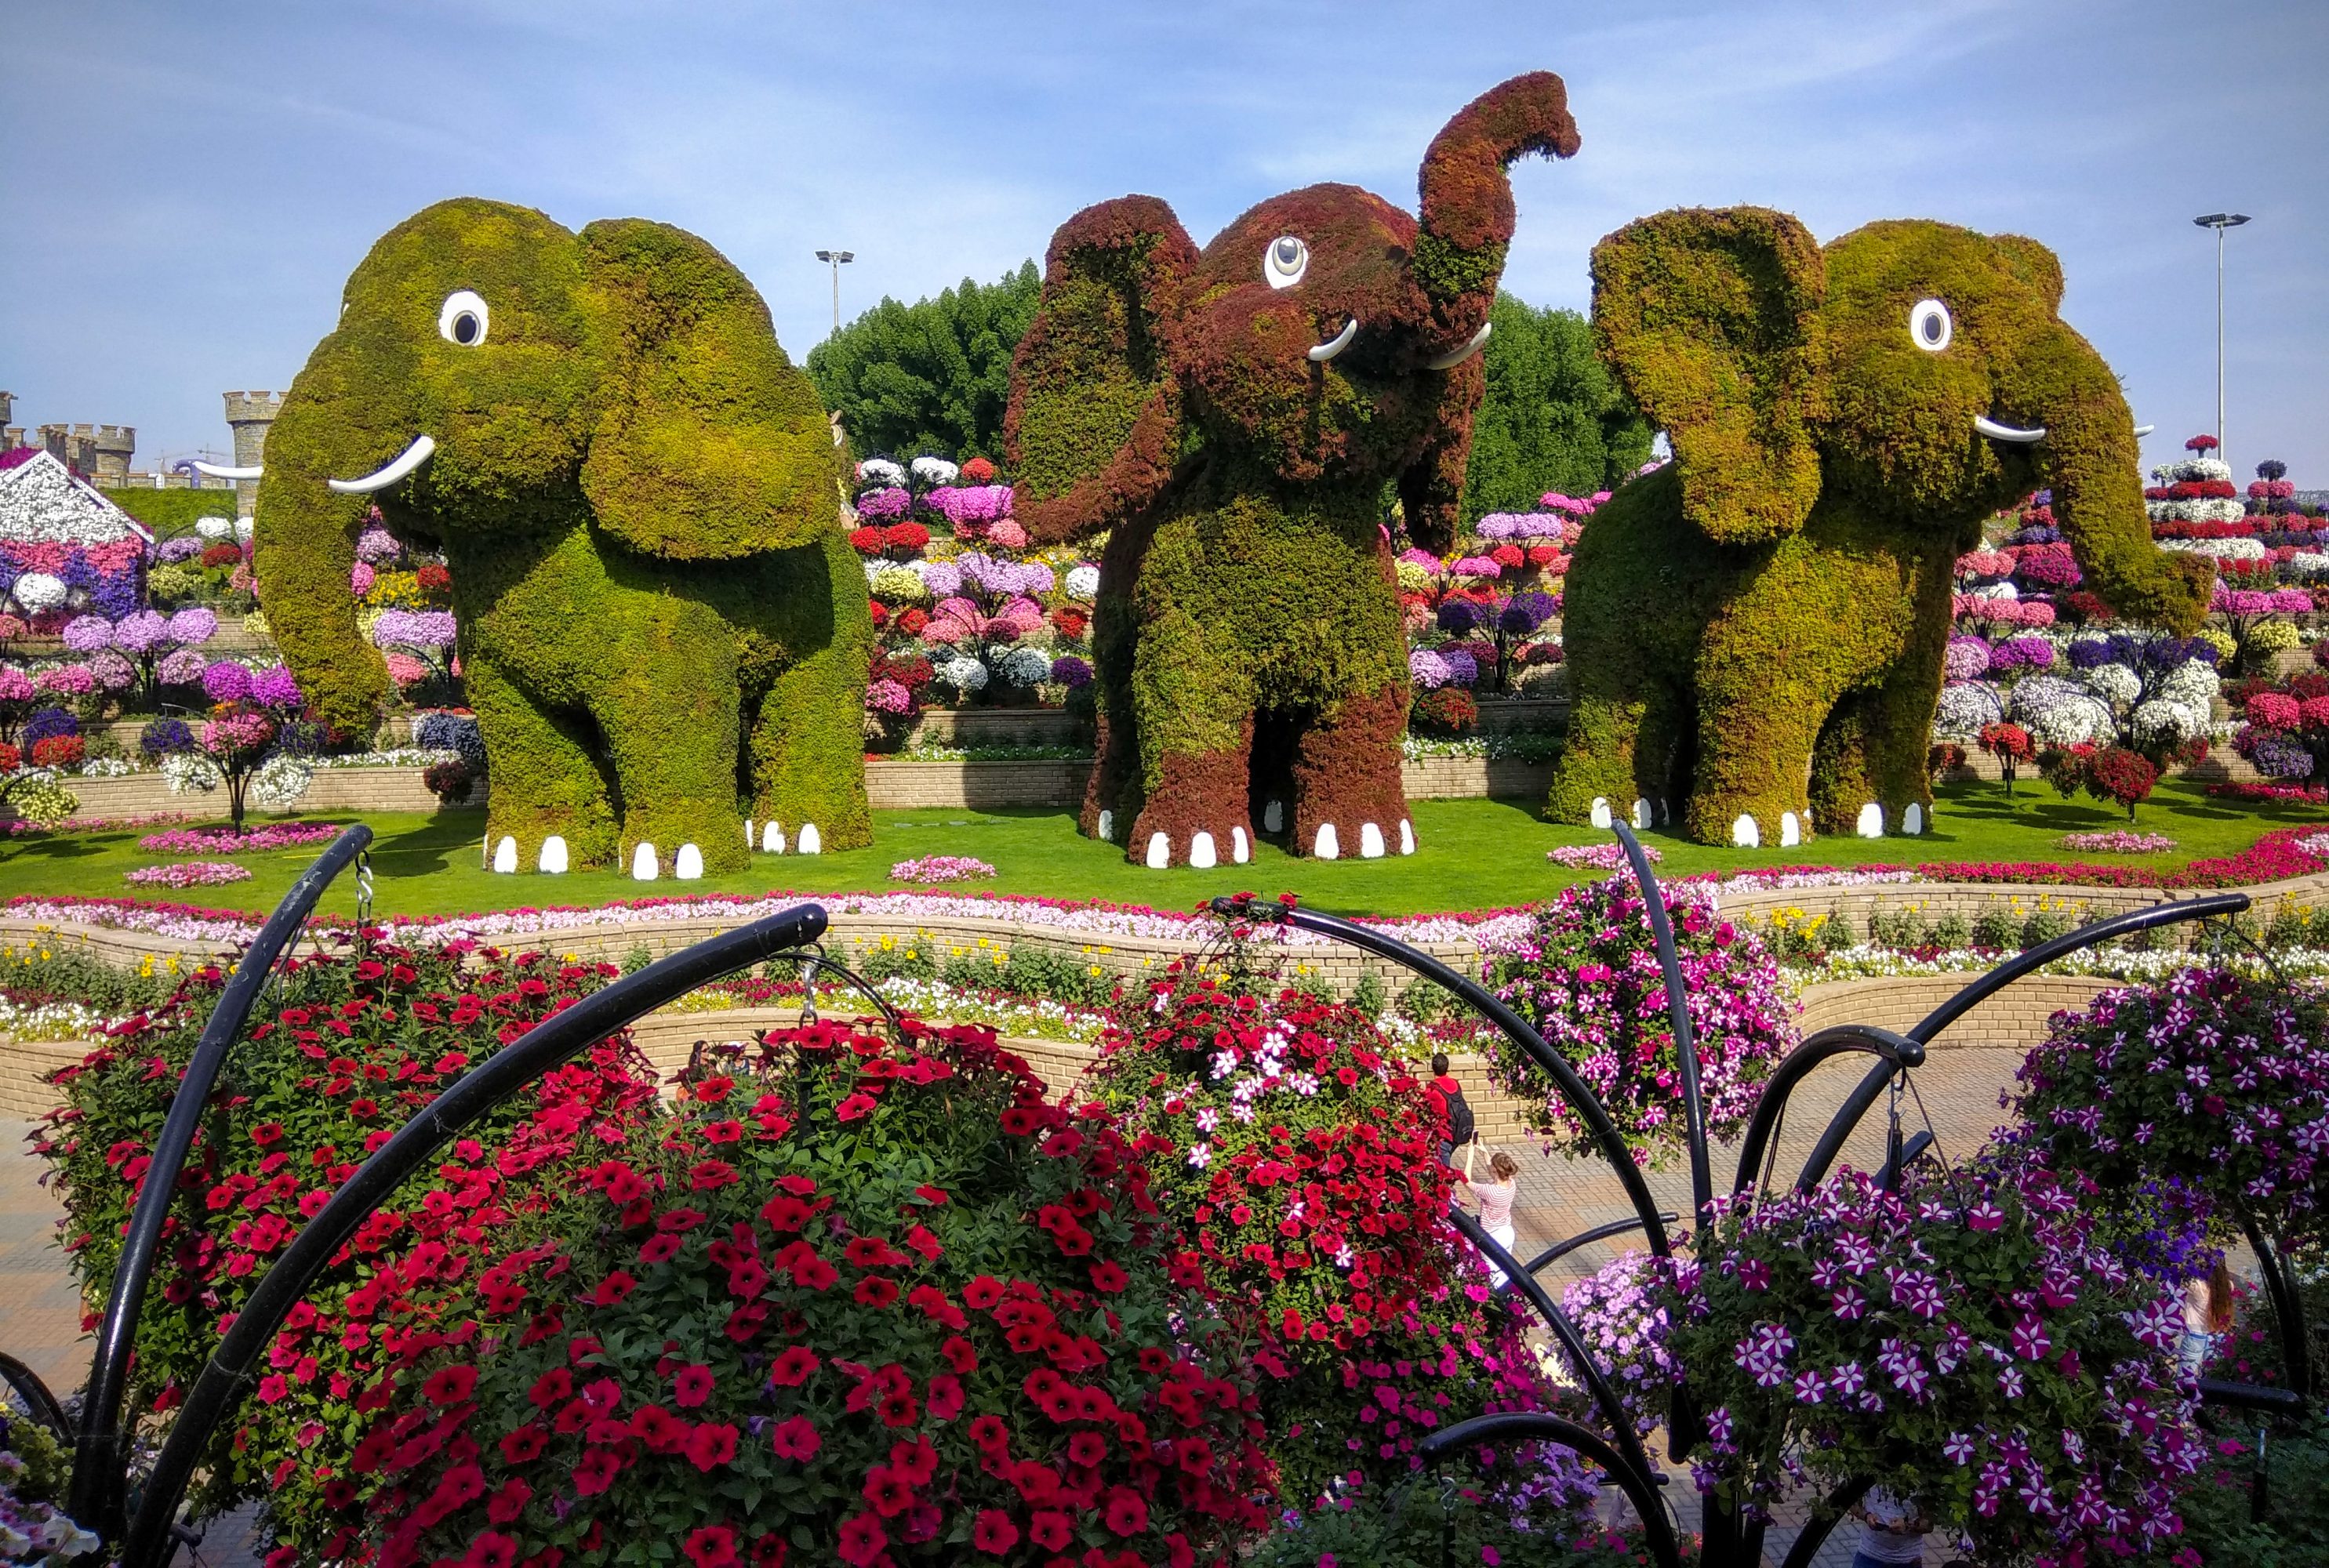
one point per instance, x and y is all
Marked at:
(40, 1311)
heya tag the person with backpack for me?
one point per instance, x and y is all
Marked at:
(1462, 1126)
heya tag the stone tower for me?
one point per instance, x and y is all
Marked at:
(248, 415)
(74, 446)
(114, 445)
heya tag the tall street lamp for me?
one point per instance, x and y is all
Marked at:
(2219, 221)
(836, 258)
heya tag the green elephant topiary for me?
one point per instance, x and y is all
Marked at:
(639, 498)
(1233, 415)
(1754, 631)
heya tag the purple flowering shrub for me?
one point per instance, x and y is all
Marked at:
(1968, 1345)
(1619, 1313)
(1585, 975)
(2212, 1078)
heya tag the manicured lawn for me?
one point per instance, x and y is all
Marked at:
(1474, 855)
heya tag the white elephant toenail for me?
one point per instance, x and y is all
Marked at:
(773, 838)
(811, 841)
(1406, 837)
(1791, 830)
(1872, 821)
(1240, 851)
(1201, 852)
(643, 863)
(1107, 827)
(505, 855)
(1160, 852)
(1371, 842)
(1326, 846)
(747, 833)
(1641, 814)
(1664, 815)
(1745, 835)
(1600, 811)
(688, 867)
(1912, 820)
(1273, 817)
(553, 858)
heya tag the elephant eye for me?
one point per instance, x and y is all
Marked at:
(463, 318)
(1929, 325)
(1285, 262)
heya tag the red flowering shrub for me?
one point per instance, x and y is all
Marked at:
(1445, 710)
(59, 751)
(348, 1048)
(2010, 745)
(2122, 777)
(433, 579)
(1297, 1156)
(867, 540)
(854, 1301)
(978, 471)
(222, 556)
(905, 540)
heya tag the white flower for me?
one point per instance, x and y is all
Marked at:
(244, 527)
(190, 772)
(213, 528)
(1966, 705)
(2193, 683)
(2228, 550)
(2162, 719)
(1083, 582)
(38, 591)
(2308, 564)
(964, 673)
(880, 471)
(935, 471)
(2115, 684)
(279, 783)
(1200, 1156)
(2058, 712)
(1224, 1064)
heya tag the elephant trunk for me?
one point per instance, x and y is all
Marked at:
(2091, 460)
(304, 551)
(1468, 196)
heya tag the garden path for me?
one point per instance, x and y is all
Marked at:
(40, 1311)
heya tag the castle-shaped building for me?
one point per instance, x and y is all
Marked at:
(102, 454)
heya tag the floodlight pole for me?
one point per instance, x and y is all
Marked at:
(836, 258)
(2219, 221)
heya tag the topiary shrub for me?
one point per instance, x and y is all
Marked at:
(1585, 976)
(355, 1041)
(852, 1300)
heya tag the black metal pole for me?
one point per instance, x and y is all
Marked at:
(1599, 1233)
(1639, 1490)
(41, 1403)
(541, 1048)
(2287, 1304)
(1597, 1386)
(1573, 1089)
(99, 1459)
(1693, 1108)
(1823, 1523)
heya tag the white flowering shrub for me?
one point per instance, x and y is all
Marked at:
(190, 772)
(1966, 705)
(2060, 712)
(1083, 582)
(964, 673)
(279, 783)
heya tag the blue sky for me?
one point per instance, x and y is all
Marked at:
(185, 187)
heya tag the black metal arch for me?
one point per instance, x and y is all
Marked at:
(220, 1388)
(1640, 1487)
(101, 1455)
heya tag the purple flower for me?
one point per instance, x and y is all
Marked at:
(1463, 670)
(183, 668)
(142, 633)
(192, 628)
(886, 696)
(1071, 671)
(378, 547)
(275, 687)
(884, 505)
(111, 671)
(89, 633)
(226, 682)
(943, 579)
(1428, 670)
(185, 547)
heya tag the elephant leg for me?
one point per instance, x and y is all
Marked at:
(808, 754)
(1193, 720)
(1868, 774)
(1349, 799)
(673, 735)
(1754, 741)
(1621, 745)
(1112, 794)
(547, 786)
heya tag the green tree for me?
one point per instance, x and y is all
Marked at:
(933, 376)
(1554, 417)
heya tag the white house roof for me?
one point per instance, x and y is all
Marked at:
(44, 502)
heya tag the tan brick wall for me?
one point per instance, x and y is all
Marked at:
(24, 1063)
(334, 789)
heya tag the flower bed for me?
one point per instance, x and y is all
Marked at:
(941, 868)
(247, 842)
(184, 874)
(2116, 843)
(1598, 857)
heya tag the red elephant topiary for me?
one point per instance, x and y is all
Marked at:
(1233, 416)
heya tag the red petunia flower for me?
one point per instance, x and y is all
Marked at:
(1110, 1277)
(1127, 1511)
(862, 1539)
(994, 1533)
(712, 1546)
(711, 1445)
(889, 1492)
(596, 1472)
(1051, 1530)
(611, 1290)
(491, 1549)
(797, 1438)
(450, 1385)
(524, 1445)
(692, 1385)
(876, 1291)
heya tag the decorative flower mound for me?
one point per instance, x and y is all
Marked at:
(188, 874)
(1296, 1157)
(940, 868)
(864, 1302)
(2215, 1079)
(1585, 974)
(352, 1046)
(227, 841)
(1968, 1346)
(1598, 857)
(2116, 843)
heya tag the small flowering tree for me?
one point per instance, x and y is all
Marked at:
(859, 1301)
(1967, 1344)
(1585, 974)
(2010, 745)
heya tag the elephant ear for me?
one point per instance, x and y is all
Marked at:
(712, 445)
(1094, 426)
(1711, 319)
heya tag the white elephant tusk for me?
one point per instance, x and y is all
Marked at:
(1997, 432)
(1342, 340)
(411, 458)
(1453, 357)
(227, 471)
(2141, 430)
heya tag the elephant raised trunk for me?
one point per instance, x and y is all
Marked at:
(2089, 455)
(1467, 214)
